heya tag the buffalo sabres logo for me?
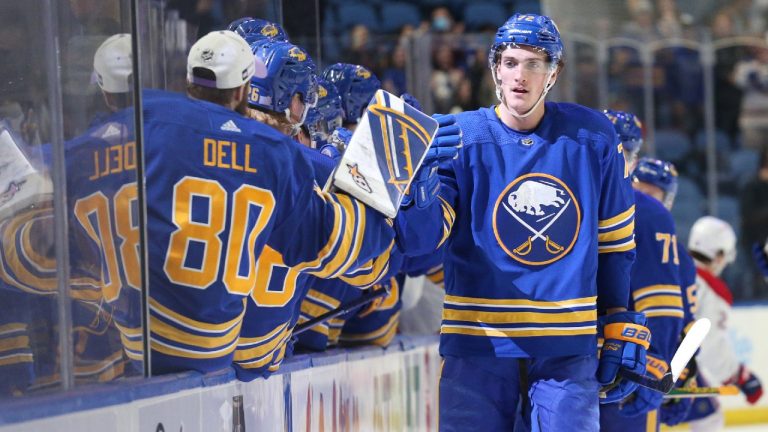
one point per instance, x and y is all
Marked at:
(536, 219)
(269, 30)
(206, 55)
(358, 178)
(399, 136)
(322, 92)
(297, 53)
(363, 73)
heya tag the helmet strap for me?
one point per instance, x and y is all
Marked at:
(500, 94)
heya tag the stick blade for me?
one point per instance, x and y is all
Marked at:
(688, 346)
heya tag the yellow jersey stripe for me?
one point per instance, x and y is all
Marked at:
(13, 343)
(132, 345)
(377, 334)
(167, 331)
(167, 349)
(333, 239)
(561, 304)
(312, 309)
(357, 241)
(16, 358)
(618, 234)
(654, 313)
(12, 327)
(190, 323)
(618, 219)
(323, 299)
(347, 234)
(656, 289)
(519, 317)
(379, 268)
(260, 339)
(129, 331)
(652, 421)
(519, 332)
(659, 301)
(617, 248)
(261, 351)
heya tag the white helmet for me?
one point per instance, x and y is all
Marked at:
(113, 65)
(710, 236)
(221, 59)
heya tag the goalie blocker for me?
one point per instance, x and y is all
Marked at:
(385, 152)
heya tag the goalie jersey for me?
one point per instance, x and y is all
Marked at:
(538, 231)
(219, 187)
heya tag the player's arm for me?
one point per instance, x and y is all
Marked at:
(717, 355)
(616, 230)
(321, 233)
(376, 323)
(426, 219)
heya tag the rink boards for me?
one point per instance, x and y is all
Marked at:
(356, 390)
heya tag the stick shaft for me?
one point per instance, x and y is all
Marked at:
(346, 307)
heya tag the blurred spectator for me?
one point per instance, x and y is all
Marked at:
(445, 79)
(203, 15)
(754, 217)
(360, 50)
(642, 26)
(442, 20)
(728, 94)
(393, 77)
(669, 24)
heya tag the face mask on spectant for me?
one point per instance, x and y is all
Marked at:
(441, 23)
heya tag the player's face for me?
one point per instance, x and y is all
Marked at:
(298, 109)
(522, 73)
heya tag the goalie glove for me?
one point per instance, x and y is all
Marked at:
(626, 339)
(749, 384)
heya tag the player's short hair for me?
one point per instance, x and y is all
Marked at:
(220, 60)
(113, 64)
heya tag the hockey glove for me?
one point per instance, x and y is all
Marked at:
(748, 383)
(331, 151)
(625, 345)
(411, 100)
(339, 139)
(643, 400)
(426, 184)
(760, 258)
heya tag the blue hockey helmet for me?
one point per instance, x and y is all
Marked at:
(537, 31)
(324, 118)
(252, 29)
(628, 128)
(287, 70)
(355, 84)
(659, 173)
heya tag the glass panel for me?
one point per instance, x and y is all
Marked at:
(69, 140)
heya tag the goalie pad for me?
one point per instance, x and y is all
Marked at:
(384, 154)
(21, 184)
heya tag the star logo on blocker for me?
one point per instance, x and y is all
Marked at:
(536, 219)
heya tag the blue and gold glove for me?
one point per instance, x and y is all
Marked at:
(425, 186)
(643, 400)
(411, 100)
(626, 339)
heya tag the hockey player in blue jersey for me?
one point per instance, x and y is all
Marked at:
(326, 117)
(239, 186)
(655, 291)
(537, 217)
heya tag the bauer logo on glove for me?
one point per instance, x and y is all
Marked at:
(385, 153)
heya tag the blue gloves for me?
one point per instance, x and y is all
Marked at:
(425, 186)
(339, 139)
(411, 100)
(625, 345)
(760, 258)
(643, 400)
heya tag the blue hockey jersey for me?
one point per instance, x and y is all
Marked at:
(538, 229)
(220, 187)
(655, 282)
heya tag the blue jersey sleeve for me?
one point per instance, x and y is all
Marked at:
(616, 215)
(325, 296)
(422, 231)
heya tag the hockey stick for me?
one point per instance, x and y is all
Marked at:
(683, 355)
(344, 308)
(694, 392)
